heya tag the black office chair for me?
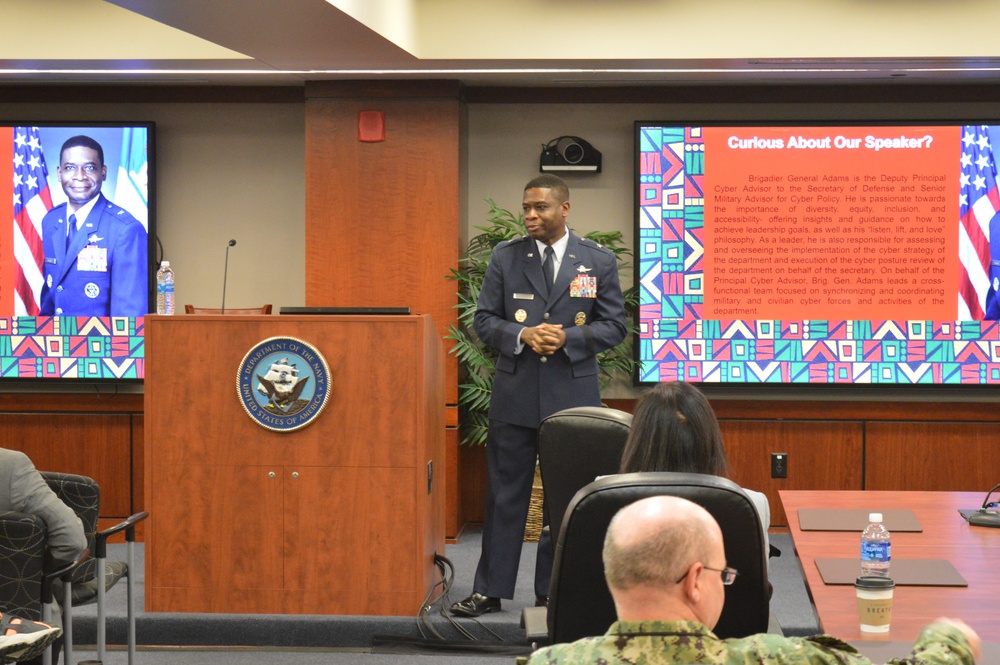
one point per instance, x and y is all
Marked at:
(575, 446)
(580, 604)
(96, 575)
(22, 564)
(28, 573)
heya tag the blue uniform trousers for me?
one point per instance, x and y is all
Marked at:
(511, 452)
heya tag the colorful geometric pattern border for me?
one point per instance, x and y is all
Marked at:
(676, 344)
(67, 347)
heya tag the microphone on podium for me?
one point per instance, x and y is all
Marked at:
(225, 275)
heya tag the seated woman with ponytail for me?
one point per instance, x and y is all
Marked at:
(675, 429)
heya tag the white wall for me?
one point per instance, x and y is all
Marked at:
(234, 171)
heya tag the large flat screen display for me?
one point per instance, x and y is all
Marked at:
(818, 254)
(75, 261)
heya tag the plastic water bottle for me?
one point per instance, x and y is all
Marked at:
(876, 548)
(165, 289)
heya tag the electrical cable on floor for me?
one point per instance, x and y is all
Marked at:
(423, 615)
(443, 601)
(438, 643)
(446, 603)
(447, 571)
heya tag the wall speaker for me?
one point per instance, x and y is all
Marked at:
(570, 153)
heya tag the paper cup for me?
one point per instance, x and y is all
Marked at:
(874, 603)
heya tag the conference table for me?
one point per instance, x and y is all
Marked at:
(974, 552)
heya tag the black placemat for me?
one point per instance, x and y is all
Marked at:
(836, 519)
(904, 572)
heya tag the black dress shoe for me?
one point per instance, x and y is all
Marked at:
(476, 605)
(541, 601)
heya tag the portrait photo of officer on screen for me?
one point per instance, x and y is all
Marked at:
(95, 251)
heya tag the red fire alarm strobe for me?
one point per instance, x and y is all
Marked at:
(371, 126)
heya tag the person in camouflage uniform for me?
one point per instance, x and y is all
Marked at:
(665, 565)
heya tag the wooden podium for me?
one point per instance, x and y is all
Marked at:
(342, 516)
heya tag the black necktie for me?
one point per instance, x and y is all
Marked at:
(72, 231)
(548, 266)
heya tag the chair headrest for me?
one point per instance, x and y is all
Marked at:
(590, 414)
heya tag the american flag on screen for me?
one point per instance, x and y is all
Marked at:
(31, 202)
(979, 202)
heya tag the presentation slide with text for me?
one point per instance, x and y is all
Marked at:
(817, 254)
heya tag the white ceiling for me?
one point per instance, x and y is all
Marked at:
(503, 42)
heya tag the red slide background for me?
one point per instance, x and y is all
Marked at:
(831, 223)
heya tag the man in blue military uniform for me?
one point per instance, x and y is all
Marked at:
(95, 251)
(549, 304)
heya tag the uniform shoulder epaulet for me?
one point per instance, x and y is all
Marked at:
(594, 245)
(119, 212)
(512, 242)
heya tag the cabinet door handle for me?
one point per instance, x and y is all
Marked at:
(271, 474)
(295, 474)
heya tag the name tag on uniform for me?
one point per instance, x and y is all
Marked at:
(524, 296)
(92, 259)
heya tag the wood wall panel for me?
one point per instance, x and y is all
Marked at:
(842, 408)
(821, 455)
(451, 446)
(932, 456)
(472, 491)
(94, 445)
(138, 464)
(382, 219)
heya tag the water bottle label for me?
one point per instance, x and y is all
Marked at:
(876, 551)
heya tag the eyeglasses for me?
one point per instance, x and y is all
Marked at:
(728, 575)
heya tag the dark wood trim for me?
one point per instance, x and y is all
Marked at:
(384, 89)
(151, 94)
(881, 92)
(102, 400)
(837, 410)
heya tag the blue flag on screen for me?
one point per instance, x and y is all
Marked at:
(131, 190)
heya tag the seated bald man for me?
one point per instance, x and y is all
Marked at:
(666, 568)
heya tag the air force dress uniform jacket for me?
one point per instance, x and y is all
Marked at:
(103, 272)
(586, 298)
